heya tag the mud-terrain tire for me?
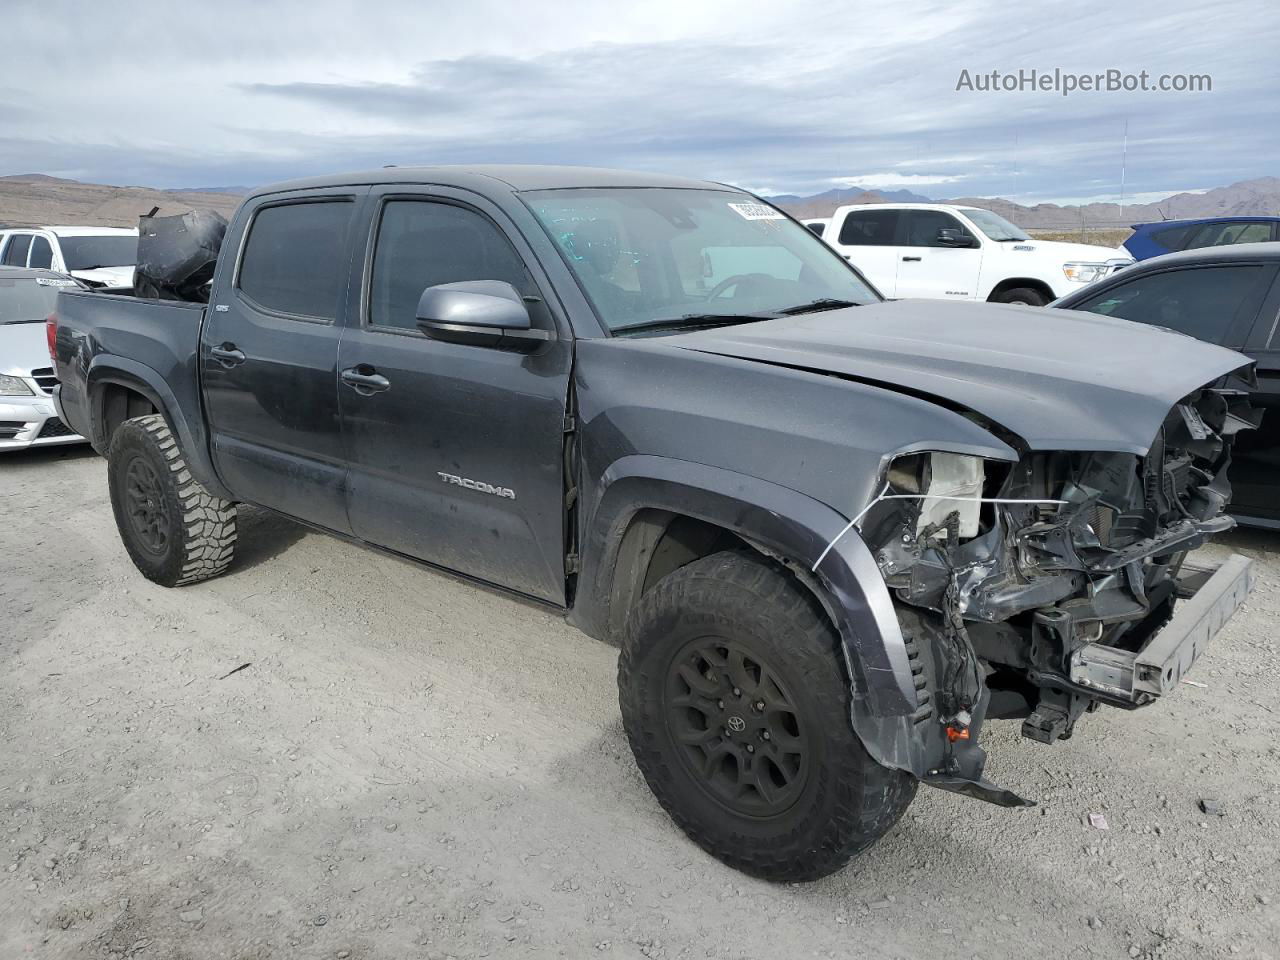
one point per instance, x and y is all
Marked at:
(175, 531)
(797, 804)
(1026, 295)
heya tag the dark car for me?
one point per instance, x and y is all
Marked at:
(1171, 236)
(832, 535)
(1229, 296)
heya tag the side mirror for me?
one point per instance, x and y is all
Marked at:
(480, 313)
(953, 237)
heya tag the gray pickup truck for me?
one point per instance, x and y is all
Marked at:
(832, 535)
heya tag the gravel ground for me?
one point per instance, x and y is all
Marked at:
(332, 754)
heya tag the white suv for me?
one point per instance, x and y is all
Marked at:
(961, 253)
(100, 256)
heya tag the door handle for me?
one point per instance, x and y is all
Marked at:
(365, 380)
(228, 355)
(911, 259)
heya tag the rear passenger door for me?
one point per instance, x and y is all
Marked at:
(869, 238)
(457, 453)
(269, 353)
(15, 250)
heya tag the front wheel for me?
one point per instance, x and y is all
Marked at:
(736, 704)
(175, 531)
(1029, 296)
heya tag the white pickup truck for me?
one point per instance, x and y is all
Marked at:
(961, 253)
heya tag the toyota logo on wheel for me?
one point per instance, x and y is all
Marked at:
(737, 724)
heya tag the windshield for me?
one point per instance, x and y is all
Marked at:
(645, 256)
(26, 299)
(86, 253)
(995, 226)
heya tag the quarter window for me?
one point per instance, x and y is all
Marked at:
(1200, 302)
(294, 260)
(869, 228)
(422, 243)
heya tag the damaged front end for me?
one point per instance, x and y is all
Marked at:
(1043, 588)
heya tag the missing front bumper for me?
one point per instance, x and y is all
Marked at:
(1209, 597)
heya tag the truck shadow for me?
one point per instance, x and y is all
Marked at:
(262, 536)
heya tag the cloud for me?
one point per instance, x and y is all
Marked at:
(881, 181)
(796, 97)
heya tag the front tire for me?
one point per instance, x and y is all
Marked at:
(736, 703)
(175, 531)
(1029, 296)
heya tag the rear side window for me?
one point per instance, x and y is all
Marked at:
(15, 254)
(1226, 234)
(295, 258)
(1171, 238)
(869, 228)
(423, 243)
(1201, 302)
(41, 253)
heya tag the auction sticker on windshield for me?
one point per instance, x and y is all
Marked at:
(756, 211)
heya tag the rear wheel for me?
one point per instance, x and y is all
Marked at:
(1028, 295)
(175, 531)
(736, 704)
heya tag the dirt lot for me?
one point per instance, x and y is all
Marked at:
(410, 766)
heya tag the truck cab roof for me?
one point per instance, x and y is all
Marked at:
(512, 177)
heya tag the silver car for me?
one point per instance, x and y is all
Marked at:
(27, 416)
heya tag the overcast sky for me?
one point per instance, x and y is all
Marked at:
(792, 97)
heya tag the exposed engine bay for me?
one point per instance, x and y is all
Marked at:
(1039, 589)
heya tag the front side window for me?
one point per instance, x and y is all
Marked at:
(647, 256)
(41, 254)
(1200, 302)
(1226, 234)
(295, 258)
(90, 253)
(15, 254)
(924, 229)
(869, 228)
(424, 243)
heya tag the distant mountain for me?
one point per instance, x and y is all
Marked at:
(1260, 197)
(34, 199)
(230, 191)
(822, 204)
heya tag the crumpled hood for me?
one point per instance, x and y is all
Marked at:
(23, 347)
(1059, 379)
(111, 276)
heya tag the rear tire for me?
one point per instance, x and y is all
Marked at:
(175, 531)
(1025, 295)
(735, 701)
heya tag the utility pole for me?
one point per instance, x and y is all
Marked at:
(1124, 155)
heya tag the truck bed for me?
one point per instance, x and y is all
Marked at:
(115, 338)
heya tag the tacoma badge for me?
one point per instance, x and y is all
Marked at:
(505, 492)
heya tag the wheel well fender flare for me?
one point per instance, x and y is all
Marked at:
(789, 526)
(106, 370)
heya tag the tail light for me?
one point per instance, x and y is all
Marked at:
(51, 335)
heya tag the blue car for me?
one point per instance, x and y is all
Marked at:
(1169, 236)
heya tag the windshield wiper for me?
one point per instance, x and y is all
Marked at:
(690, 320)
(813, 306)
